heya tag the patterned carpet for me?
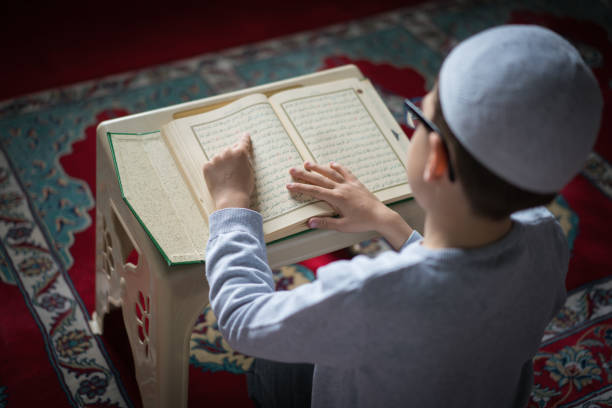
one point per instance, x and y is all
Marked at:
(47, 181)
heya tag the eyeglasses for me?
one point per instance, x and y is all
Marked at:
(414, 116)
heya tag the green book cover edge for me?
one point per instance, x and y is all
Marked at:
(159, 248)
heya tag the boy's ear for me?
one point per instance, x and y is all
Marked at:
(437, 162)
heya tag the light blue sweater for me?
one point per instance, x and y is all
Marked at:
(415, 328)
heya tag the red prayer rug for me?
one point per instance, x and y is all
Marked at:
(49, 355)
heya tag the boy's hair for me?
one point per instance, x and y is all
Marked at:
(488, 195)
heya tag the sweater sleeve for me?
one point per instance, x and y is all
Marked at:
(290, 326)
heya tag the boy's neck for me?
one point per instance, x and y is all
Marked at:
(463, 230)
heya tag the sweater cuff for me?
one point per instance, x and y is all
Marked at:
(235, 220)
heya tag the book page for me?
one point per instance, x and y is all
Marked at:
(339, 122)
(387, 120)
(273, 154)
(159, 197)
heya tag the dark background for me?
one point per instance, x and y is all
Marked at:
(52, 44)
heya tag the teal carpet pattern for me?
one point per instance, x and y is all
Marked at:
(47, 187)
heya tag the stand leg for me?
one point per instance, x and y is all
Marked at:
(159, 305)
(159, 311)
(108, 293)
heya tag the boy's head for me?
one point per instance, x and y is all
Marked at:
(519, 110)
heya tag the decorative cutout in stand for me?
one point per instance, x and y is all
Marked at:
(143, 316)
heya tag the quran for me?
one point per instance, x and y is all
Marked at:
(344, 121)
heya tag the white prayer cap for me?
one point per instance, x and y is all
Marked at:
(522, 101)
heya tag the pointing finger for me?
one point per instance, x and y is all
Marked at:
(246, 139)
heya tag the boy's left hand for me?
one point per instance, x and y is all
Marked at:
(230, 177)
(358, 209)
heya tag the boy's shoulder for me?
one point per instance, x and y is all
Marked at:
(540, 225)
(535, 231)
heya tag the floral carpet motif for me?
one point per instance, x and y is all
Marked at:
(77, 356)
(574, 364)
(47, 178)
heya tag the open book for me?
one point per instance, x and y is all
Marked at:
(160, 173)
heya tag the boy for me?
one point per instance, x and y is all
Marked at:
(452, 318)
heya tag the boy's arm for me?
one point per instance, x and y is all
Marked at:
(290, 326)
(358, 208)
(327, 321)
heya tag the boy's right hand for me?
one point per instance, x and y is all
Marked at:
(229, 175)
(358, 209)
